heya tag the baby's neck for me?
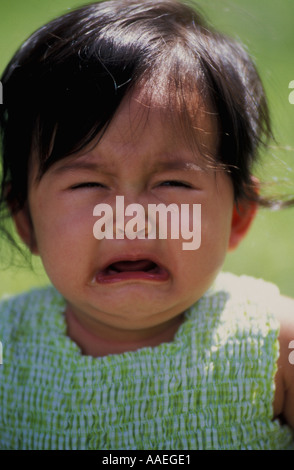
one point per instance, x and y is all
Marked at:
(94, 345)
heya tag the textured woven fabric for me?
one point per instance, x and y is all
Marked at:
(212, 387)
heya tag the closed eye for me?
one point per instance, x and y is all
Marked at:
(175, 183)
(88, 185)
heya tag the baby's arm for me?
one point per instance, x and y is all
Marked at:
(284, 396)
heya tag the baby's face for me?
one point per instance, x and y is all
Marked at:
(131, 284)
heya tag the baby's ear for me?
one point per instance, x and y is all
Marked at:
(243, 215)
(24, 226)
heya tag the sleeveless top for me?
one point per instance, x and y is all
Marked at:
(212, 387)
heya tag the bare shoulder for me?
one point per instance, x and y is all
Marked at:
(284, 397)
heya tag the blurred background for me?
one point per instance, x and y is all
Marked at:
(266, 28)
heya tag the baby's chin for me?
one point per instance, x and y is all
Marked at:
(116, 337)
(139, 307)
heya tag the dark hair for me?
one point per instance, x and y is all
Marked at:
(65, 83)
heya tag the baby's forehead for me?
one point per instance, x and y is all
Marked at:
(151, 121)
(188, 118)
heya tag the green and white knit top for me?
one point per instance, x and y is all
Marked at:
(212, 387)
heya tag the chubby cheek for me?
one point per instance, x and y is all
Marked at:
(215, 238)
(199, 267)
(64, 236)
(215, 220)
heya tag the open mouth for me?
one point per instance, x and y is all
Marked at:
(124, 270)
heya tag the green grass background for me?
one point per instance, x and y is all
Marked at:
(266, 28)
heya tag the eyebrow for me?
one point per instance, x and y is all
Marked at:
(80, 165)
(169, 164)
(177, 165)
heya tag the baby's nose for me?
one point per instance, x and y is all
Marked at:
(133, 224)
